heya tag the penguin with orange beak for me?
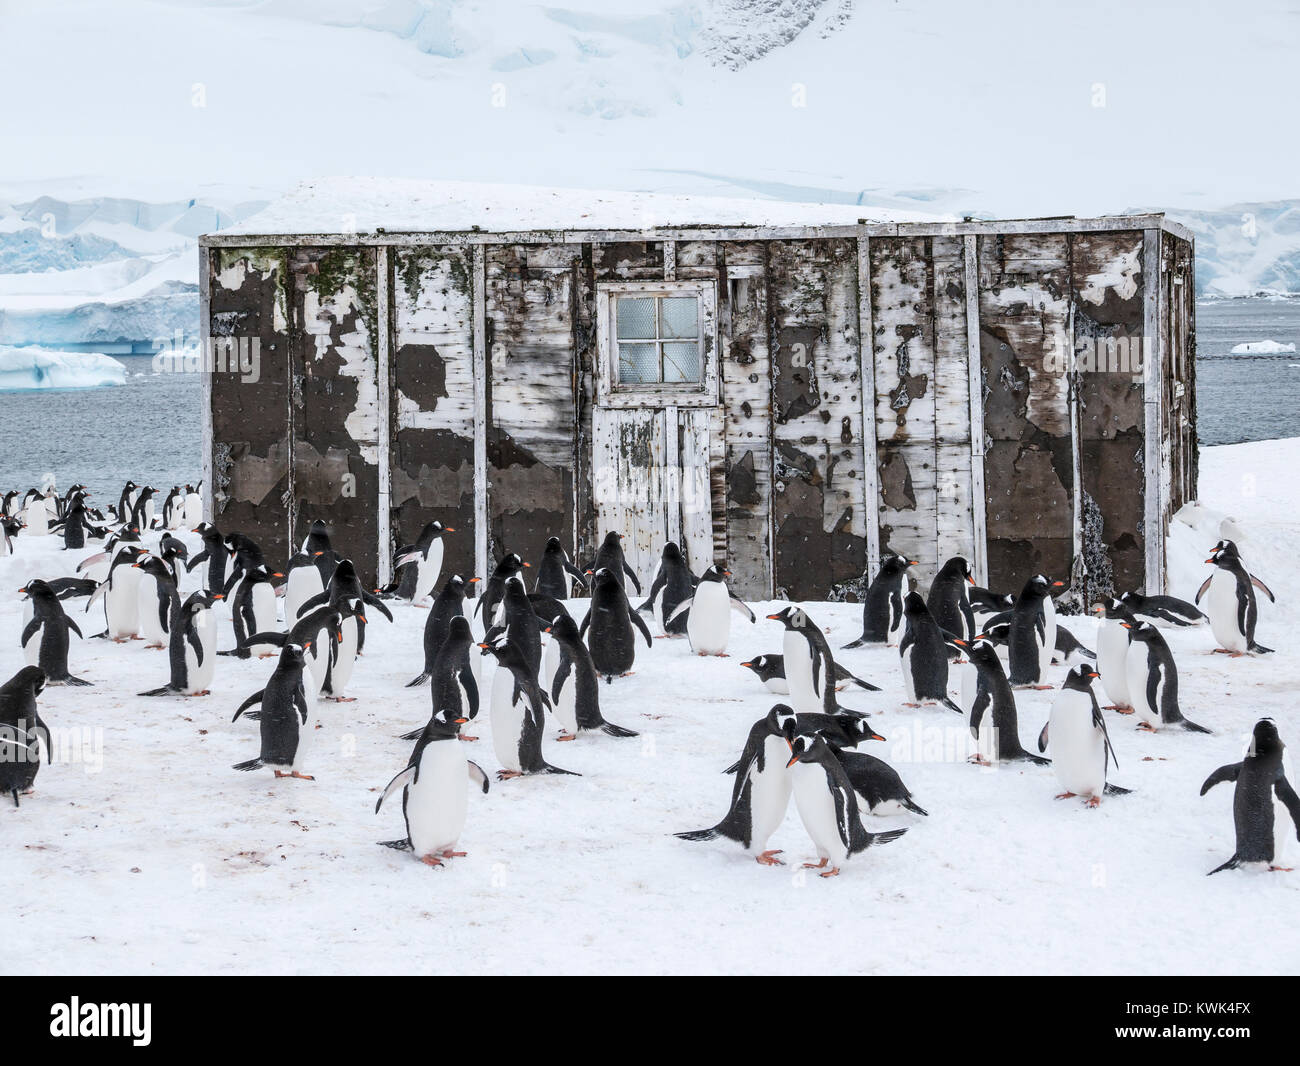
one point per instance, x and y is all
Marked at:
(882, 610)
(1081, 748)
(949, 599)
(1153, 680)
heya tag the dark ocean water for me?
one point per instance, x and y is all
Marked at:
(149, 428)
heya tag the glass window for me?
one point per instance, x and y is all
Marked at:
(658, 340)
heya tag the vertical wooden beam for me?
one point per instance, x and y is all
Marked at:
(206, 361)
(673, 481)
(1153, 514)
(867, 391)
(974, 368)
(670, 260)
(1077, 564)
(383, 352)
(480, 412)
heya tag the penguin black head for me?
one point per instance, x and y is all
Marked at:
(29, 677)
(1114, 609)
(895, 563)
(198, 601)
(980, 651)
(1264, 740)
(807, 747)
(914, 604)
(1143, 631)
(956, 567)
(445, 723)
(510, 564)
(455, 585)
(553, 545)
(765, 667)
(791, 617)
(153, 566)
(602, 578)
(458, 629)
(38, 591)
(565, 629)
(715, 573)
(291, 655)
(612, 539)
(1224, 555)
(1080, 678)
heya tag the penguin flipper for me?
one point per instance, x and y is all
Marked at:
(547, 768)
(639, 622)
(414, 734)
(278, 639)
(678, 611)
(908, 804)
(1204, 585)
(75, 628)
(477, 775)
(862, 684)
(1262, 588)
(252, 764)
(1042, 737)
(742, 607)
(876, 839)
(397, 845)
(1231, 864)
(575, 573)
(1116, 790)
(256, 697)
(635, 583)
(30, 631)
(374, 601)
(400, 781)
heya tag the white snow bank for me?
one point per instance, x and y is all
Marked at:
(1269, 347)
(36, 368)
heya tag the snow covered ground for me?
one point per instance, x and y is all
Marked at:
(167, 860)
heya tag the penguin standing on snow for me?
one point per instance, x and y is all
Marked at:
(1153, 680)
(495, 588)
(318, 632)
(770, 669)
(1259, 777)
(761, 792)
(923, 653)
(1081, 747)
(45, 638)
(808, 663)
(435, 792)
(673, 585)
(1032, 638)
(575, 691)
(1113, 639)
(1070, 651)
(284, 712)
(1157, 609)
(157, 593)
(517, 714)
(192, 647)
(993, 720)
(828, 806)
(316, 545)
(985, 605)
(610, 557)
(120, 590)
(423, 562)
(9, 528)
(449, 604)
(21, 732)
(216, 555)
(608, 628)
(555, 571)
(192, 509)
(1231, 605)
(346, 595)
(708, 625)
(303, 583)
(878, 783)
(882, 610)
(452, 685)
(252, 610)
(948, 602)
(519, 623)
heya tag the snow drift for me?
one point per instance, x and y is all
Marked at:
(35, 368)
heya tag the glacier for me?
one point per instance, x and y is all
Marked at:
(40, 368)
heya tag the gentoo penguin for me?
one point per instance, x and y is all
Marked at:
(192, 509)
(423, 560)
(142, 511)
(317, 547)
(435, 792)
(303, 583)
(45, 638)
(985, 604)
(610, 619)
(923, 653)
(1069, 650)
(1081, 746)
(809, 664)
(319, 632)
(948, 602)
(993, 720)
(1032, 639)
(575, 691)
(516, 712)
(610, 557)
(761, 792)
(495, 587)
(555, 571)
(548, 610)
(828, 805)
(9, 528)
(708, 625)
(1157, 609)
(192, 647)
(345, 594)
(878, 783)
(126, 501)
(770, 669)
(76, 525)
(1153, 680)
(520, 624)
(1113, 639)
(882, 610)
(673, 585)
(247, 556)
(252, 610)
(173, 509)
(1231, 605)
(1259, 777)
(216, 555)
(37, 515)
(22, 732)
(157, 593)
(120, 590)
(284, 703)
(449, 604)
(452, 685)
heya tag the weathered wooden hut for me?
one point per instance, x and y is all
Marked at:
(790, 389)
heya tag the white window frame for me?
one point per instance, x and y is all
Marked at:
(610, 392)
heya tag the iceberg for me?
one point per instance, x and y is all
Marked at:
(1263, 348)
(38, 368)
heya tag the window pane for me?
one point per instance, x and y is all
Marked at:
(636, 317)
(681, 316)
(682, 361)
(638, 364)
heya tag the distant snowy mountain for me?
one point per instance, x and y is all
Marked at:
(1246, 249)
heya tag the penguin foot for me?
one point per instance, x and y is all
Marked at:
(159, 647)
(137, 638)
(120, 640)
(1064, 795)
(1041, 688)
(205, 692)
(506, 775)
(1235, 654)
(1093, 801)
(627, 673)
(294, 773)
(1118, 709)
(267, 655)
(462, 736)
(566, 736)
(430, 860)
(769, 858)
(834, 871)
(911, 705)
(979, 760)
(342, 699)
(1274, 869)
(1145, 727)
(818, 865)
(449, 854)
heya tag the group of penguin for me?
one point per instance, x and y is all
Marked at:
(547, 661)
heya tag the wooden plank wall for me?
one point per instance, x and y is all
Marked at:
(819, 517)
(432, 400)
(1178, 326)
(248, 305)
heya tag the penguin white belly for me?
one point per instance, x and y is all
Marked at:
(264, 619)
(805, 698)
(316, 663)
(6, 547)
(1138, 671)
(32, 649)
(566, 707)
(657, 609)
(909, 681)
(816, 806)
(198, 675)
(708, 626)
(1049, 631)
(193, 509)
(427, 572)
(1112, 661)
(437, 802)
(341, 672)
(507, 719)
(550, 663)
(150, 624)
(304, 583)
(969, 685)
(1221, 606)
(122, 603)
(769, 794)
(1077, 748)
(306, 733)
(779, 685)
(37, 518)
